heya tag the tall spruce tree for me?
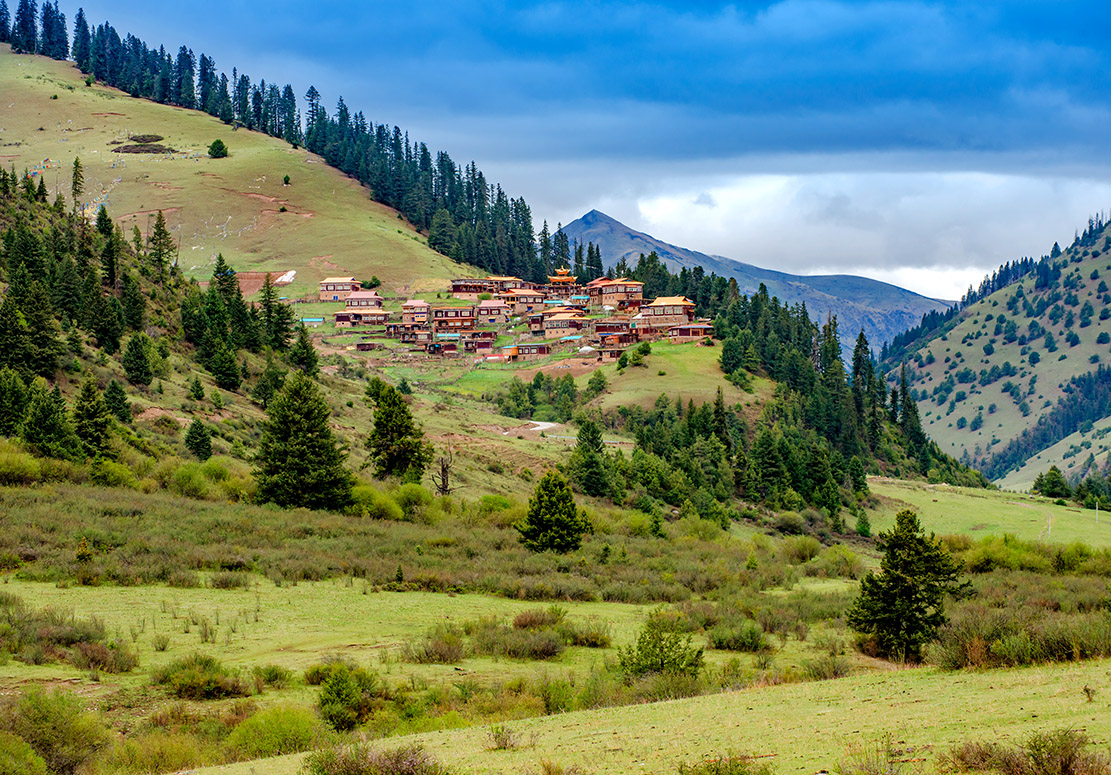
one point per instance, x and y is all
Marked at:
(198, 440)
(91, 419)
(300, 462)
(48, 427)
(902, 607)
(397, 446)
(5, 23)
(161, 246)
(14, 397)
(302, 355)
(115, 398)
(136, 360)
(25, 34)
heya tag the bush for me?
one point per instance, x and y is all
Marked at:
(217, 149)
(160, 751)
(726, 765)
(58, 728)
(18, 468)
(539, 618)
(317, 674)
(413, 500)
(109, 659)
(230, 580)
(274, 676)
(1059, 752)
(18, 758)
(200, 677)
(827, 667)
(276, 731)
(108, 473)
(361, 759)
(371, 502)
(743, 635)
(442, 646)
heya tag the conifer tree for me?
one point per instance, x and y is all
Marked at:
(92, 422)
(77, 185)
(44, 333)
(588, 460)
(270, 381)
(15, 339)
(196, 389)
(13, 401)
(47, 427)
(198, 440)
(397, 446)
(553, 522)
(136, 360)
(300, 462)
(115, 398)
(134, 303)
(161, 245)
(225, 371)
(902, 608)
(302, 355)
(25, 34)
(82, 44)
(5, 23)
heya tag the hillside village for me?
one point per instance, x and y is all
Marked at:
(507, 319)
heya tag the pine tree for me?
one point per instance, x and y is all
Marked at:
(5, 23)
(15, 339)
(47, 427)
(397, 446)
(302, 355)
(270, 381)
(300, 462)
(196, 390)
(115, 398)
(161, 245)
(14, 397)
(225, 371)
(587, 462)
(901, 609)
(82, 42)
(276, 318)
(25, 34)
(92, 422)
(198, 440)
(134, 303)
(553, 522)
(44, 334)
(77, 185)
(136, 360)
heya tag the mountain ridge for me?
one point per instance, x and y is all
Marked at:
(880, 309)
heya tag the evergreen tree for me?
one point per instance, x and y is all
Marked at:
(441, 236)
(198, 440)
(276, 318)
(136, 360)
(225, 371)
(161, 245)
(587, 462)
(397, 446)
(82, 45)
(302, 355)
(300, 462)
(13, 401)
(47, 427)
(196, 389)
(5, 23)
(901, 609)
(45, 345)
(134, 303)
(1052, 484)
(92, 422)
(77, 185)
(15, 339)
(553, 522)
(25, 34)
(115, 398)
(269, 383)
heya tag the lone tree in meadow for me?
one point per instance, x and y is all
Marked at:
(300, 462)
(901, 609)
(218, 150)
(553, 523)
(397, 445)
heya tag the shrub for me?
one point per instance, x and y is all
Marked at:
(413, 500)
(317, 674)
(217, 149)
(274, 676)
(593, 635)
(230, 580)
(109, 659)
(1059, 752)
(59, 729)
(660, 648)
(371, 502)
(539, 618)
(726, 765)
(827, 667)
(276, 731)
(361, 759)
(18, 468)
(200, 677)
(442, 646)
(743, 635)
(18, 758)
(346, 694)
(160, 750)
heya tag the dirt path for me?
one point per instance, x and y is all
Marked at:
(537, 427)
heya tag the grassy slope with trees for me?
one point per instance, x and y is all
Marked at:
(992, 372)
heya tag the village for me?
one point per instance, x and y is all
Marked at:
(507, 319)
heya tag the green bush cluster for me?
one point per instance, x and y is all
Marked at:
(201, 677)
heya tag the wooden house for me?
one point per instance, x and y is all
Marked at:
(522, 301)
(350, 318)
(453, 318)
(338, 288)
(689, 332)
(492, 312)
(621, 294)
(364, 300)
(415, 311)
(655, 319)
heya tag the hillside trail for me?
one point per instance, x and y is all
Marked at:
(537, 427)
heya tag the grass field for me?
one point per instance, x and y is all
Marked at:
(979, 513)
(800, 728)
(234, 205)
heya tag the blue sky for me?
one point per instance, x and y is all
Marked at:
(917, 142)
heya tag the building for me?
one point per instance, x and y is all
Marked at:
(621, 294)
(415, 312)
(364, 299)
(564, 323)
(338, 288)
(522, 301)
(472, 287)
(664, 313)
(453, 318)
(526, 352)
(493, 312)
(562, 284)
(690, 332)
(356, 317)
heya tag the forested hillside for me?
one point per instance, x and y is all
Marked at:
(1020, 367)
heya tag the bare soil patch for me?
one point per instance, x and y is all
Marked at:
(109, 114)
(143, 148)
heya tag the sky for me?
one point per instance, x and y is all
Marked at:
(921, 143)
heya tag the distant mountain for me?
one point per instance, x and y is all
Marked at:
(881, 309)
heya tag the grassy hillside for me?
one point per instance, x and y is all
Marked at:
(976, 342)
(322, 224)
(801, 728)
